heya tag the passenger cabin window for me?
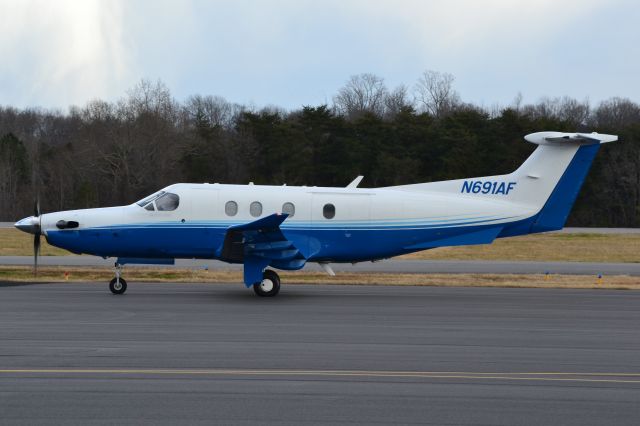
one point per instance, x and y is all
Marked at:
(167, 202)
(231, 208)
(289, 209)
(329, 211)
(255, 209)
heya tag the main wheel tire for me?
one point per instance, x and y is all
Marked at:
(269, 286)
(118, 288)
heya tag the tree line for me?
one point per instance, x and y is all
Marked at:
(113, 153)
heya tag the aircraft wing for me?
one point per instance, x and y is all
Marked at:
(259, 244)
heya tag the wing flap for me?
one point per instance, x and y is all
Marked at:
(259, 244)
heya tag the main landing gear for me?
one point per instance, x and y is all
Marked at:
(118, 285)
(269, 286)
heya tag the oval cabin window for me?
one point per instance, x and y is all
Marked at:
(289, 209)
(231, 208)
(329, 211)
(255, 209)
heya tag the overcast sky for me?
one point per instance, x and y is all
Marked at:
(297, 52)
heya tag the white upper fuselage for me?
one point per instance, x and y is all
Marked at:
(354, 207)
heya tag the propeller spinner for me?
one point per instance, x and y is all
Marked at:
(32, 225)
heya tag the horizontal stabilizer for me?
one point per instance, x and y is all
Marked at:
(549, 138)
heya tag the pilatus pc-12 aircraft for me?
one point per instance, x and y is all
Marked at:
(285, 227)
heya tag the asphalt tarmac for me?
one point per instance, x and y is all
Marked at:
(216, 354)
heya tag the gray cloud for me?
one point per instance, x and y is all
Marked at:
(292, 53)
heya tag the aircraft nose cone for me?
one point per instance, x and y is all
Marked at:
(29, 224)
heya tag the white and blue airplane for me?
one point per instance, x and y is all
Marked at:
(286, 227)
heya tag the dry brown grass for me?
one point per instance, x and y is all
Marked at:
(546, 247)
(57, 274)
(17, 243)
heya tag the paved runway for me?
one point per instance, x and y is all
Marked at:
(202, 353)
(388, 266)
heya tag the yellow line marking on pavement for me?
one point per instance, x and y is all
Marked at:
(522, 376)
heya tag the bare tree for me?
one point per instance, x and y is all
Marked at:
(395, 101)
(216, 110)
(574, 111)
(616, 112)
(435, 94)
(562, 108)
(516, 104)
(362, 93)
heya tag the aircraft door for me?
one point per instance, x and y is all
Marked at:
(340, 222)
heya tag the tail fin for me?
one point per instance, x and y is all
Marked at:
(553, 174)
(546, 184)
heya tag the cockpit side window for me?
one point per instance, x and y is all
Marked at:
(149, 207)
(167, 202)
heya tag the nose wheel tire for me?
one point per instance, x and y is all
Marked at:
(269, 286)
(118, 287)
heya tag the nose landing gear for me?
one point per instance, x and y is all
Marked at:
(118, 285)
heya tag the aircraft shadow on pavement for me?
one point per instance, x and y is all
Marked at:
(19, 283)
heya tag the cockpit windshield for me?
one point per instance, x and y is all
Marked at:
(150, 198)
(163, 201)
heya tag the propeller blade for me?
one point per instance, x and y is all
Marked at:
(36, 235)
(36, 252)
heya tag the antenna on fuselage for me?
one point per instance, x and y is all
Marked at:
(354, 183)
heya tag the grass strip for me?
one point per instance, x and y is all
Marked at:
(11, 274)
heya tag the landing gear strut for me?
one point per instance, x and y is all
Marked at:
(269, 286)
(118, 285)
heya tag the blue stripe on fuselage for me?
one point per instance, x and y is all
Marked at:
(331, 224)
